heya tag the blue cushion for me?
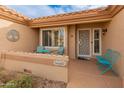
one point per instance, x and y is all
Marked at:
(41, 49)
(46, 51)
(99, 57)
(103, 60)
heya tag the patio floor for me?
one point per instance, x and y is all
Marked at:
(84, 74)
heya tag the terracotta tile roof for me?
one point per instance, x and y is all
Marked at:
(82, 13)
(12, 15)
(12, 12)
(103, 14)
(99, 14)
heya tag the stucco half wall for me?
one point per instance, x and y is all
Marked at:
(114, 39)
(43, 65)
(28, 37)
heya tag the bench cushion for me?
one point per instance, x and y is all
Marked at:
(43, 51)
(102, 60)
(107, 60)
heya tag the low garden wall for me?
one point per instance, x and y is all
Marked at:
(43, 65)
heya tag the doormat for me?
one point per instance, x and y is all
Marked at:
(84, 58)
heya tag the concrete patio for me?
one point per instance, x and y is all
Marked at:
(85, 74)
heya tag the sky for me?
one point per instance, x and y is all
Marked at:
(34, 11)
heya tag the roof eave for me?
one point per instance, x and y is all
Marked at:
(74, 21)
(13, 16)
(103, 15)
(97, 15)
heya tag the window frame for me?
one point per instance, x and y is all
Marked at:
(52, 29)
(100, 41)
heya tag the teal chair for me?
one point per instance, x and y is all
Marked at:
(60, 50)
(41, 49)
(107, 61)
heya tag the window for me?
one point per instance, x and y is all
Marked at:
(53, 37)
(97, 41)
(46, 38)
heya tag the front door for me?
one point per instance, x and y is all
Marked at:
(84, 43)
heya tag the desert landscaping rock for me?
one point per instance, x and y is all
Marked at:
(37, 82)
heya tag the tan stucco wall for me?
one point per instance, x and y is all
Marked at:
(28, 37)
(72, 41)
(45, 71)
(114, 39)
(38, 64)
(66, 40)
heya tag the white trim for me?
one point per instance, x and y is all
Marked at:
(51, 28)
(41, 43)
(40, 37)
(78, 43)
(100, 39)
(64, 35)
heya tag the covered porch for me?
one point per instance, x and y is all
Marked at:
(80, 33)
(84, 40)
(73, 25)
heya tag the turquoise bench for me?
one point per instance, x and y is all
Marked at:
(41, 49)
(107, 60)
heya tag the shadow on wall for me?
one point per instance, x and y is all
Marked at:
(28, 37)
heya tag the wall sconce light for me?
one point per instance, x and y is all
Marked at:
(104, 30)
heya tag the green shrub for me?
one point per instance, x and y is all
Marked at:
(11, 84)
(24, 82)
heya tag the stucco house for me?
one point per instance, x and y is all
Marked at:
(83, 34)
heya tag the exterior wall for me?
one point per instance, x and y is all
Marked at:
(28, 37)
(38, 64)
(72, 41)
(45, 71)
(114, 39)
(72, 29)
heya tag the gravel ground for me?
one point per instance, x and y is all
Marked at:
(37, 82)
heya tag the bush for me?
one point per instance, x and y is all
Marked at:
(11, 84)
(24, 82)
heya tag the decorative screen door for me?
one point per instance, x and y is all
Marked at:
(84, 43)
(97, 41)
